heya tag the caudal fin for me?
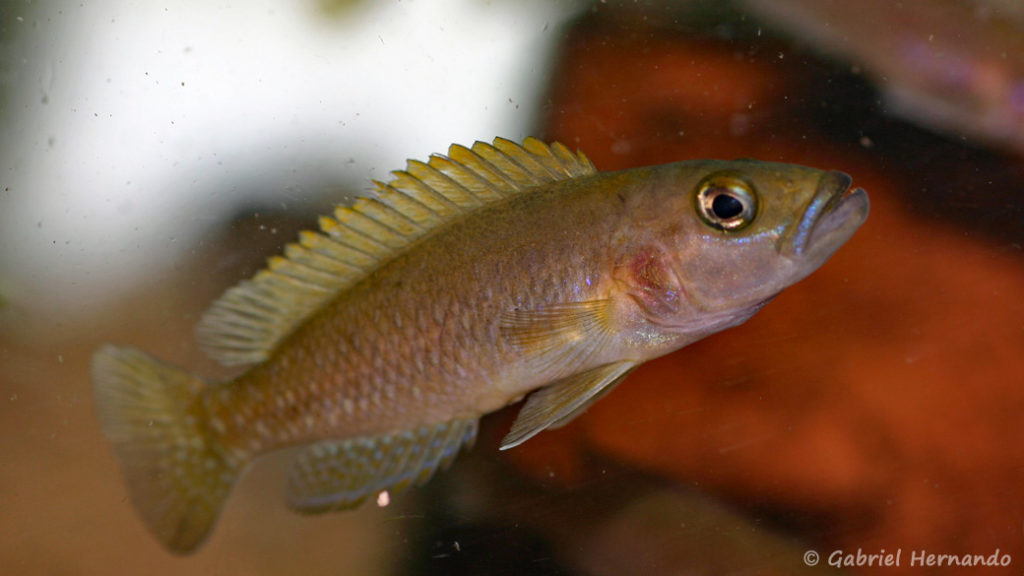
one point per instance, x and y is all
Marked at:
(176, 479)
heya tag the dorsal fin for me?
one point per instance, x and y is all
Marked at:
(245, 324)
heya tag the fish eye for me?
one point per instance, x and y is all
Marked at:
(726, 203)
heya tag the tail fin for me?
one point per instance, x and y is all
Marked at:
(176, 478)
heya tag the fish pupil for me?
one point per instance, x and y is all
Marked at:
(725, 206)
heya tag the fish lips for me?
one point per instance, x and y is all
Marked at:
(833, 215)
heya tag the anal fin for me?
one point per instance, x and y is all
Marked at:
(341, 474)
(558, 403)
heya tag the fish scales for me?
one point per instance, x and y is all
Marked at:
(500, 271)
(466, 277)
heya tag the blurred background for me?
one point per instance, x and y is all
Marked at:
(152, 155)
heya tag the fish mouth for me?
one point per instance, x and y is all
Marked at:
(833, 215)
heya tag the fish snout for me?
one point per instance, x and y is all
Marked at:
(833, 215)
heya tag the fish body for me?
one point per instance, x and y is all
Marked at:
(469, 282)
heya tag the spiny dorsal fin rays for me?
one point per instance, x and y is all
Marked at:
(476, 183)
(557, 158)
(383, 215)
(250, 319)
(451, 191)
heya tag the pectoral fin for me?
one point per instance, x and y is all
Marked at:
(558, 334)
(560, 402)
(342, 474)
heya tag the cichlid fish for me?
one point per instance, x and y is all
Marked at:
(466, 283)
(955, 66)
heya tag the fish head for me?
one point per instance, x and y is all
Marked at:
(721, 239)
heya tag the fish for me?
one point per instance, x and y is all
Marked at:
(953, 67)
(465, 283)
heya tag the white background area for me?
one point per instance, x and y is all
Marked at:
(141, 126)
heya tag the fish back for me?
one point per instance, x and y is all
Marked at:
(246, 324)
